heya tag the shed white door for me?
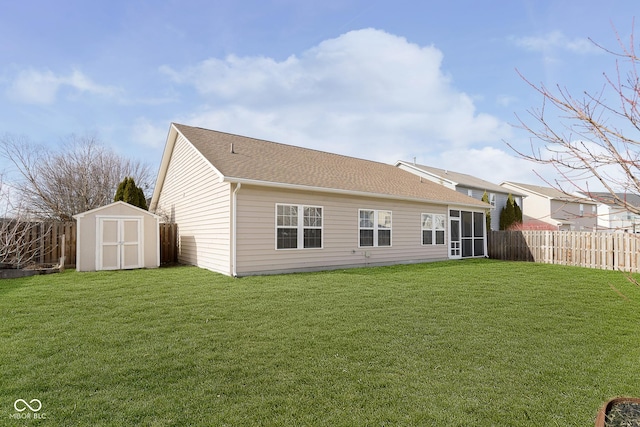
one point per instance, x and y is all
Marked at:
(119, 243)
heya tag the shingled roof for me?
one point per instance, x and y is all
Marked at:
(550, 193)
(457, 178)
(607, 198)
(249, 160)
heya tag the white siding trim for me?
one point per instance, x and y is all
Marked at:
(234, 231)
(79, 248)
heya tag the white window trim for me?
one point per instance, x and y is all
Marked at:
(433, 230)
(300, 227)
(376, 228)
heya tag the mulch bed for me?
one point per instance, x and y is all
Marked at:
(31, 270)
(619, 412)
(623, 414)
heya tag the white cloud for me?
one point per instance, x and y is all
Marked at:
(366, 93)
(497, 165)
(144, 132)
(34, 87)
(42, 87)
(556, 40)
(491, 164)
(506, 100)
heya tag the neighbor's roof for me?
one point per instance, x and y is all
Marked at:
(550, 192)
(249, 160)
(459, 179)
(608, 199)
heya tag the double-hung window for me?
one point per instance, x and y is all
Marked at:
(374, 227)
(298, 226)
(433, 227)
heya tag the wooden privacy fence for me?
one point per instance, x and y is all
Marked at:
(47, 242)
(602, 250)
(42, 242)
(168, 243)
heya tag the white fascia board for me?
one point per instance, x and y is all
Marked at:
(458, 206)
(118, 202)
(433, 177)
(345, 192)
(172, 138)
(164, 166)
(526, 192)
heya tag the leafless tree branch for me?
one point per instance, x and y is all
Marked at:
(82, 175)
(597, 137)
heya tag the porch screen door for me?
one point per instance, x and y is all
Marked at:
(454, 234)
(466, 234)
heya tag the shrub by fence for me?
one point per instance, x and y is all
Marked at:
(602, 250)
(47, 242)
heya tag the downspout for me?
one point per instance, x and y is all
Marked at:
(234, 198)
(486, 235)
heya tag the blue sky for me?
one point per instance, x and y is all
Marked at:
(382, 80)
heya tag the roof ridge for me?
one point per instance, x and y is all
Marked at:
(285, 144)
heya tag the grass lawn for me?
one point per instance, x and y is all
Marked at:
(460, 343)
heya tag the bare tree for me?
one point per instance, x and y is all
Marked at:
(20, 236)
(82, 175)
(597, 137)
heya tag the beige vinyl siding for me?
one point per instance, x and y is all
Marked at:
(194, 197)
(537, 207)
(256, 228)
(570, 211)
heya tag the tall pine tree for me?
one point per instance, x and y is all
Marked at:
(485, 198)
(129, 192)
(518, 212)
(511, 214)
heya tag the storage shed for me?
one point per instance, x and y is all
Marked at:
(117, 236)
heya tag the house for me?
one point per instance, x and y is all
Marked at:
(467, 184)
(613, 215)
(246, 206)
(553, 209)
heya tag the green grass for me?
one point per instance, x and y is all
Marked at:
(467, 343)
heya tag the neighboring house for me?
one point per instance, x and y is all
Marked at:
(246, 206)
(555, 209)
(467, 184)
(613, 215)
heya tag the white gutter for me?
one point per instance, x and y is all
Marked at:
(350, 192)
(234, 271)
